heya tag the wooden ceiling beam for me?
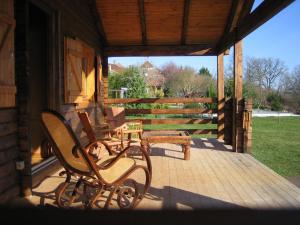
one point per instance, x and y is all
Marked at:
(185, 19)
(265, 11)
(246, 10)
(232, 20)
(143, 21)
(159, 50)
(98, 21)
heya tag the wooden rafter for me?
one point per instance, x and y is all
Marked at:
(158, 50)
(239, 9)
(98, 20)
(265, 11)
(143, 21)
(185, 21)
(245, 11)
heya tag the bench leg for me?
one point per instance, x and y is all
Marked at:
(186, 151)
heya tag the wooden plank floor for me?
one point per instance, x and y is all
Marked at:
(213, 177)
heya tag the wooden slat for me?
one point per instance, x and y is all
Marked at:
(192, 131)
(168, 111)
(8, 128)
(207, 20)
(164, 21)
(8, 115)
(159, 50)
(159, 100)
(173, 121)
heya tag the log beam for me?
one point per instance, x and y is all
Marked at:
(159, 50)
(265, 11)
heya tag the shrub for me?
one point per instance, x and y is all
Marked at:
(275, 101)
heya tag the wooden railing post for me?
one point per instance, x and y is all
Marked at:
(228, 121)
(247, 126)
(221, 99)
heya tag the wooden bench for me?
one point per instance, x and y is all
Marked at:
(167, 136)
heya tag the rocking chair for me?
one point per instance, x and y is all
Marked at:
(115, 117)
(110, 174)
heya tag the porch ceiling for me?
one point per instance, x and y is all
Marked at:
(178, 27)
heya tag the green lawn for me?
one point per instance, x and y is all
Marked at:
(276, 143)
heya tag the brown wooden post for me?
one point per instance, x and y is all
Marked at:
(247, 125)
(105, 76)
(237, 131)
(221, 97)
(104, 86)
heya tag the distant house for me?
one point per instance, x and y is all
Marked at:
(153, 77)
(115, 67)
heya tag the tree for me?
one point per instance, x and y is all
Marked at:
(184, 81)
(130, 78)
(291, 90)
(264, 72)
(204, 72)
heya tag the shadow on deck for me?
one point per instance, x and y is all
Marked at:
(213, 178)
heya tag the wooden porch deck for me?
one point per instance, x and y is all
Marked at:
(214, 177)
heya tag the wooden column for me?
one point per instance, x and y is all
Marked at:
(221, 97)
(105, 76)
(103, 86)
(247, 126)
(237, 120)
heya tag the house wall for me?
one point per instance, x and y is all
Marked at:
(9, 177)
(72, 18)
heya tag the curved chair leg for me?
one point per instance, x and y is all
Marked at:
(62, 190)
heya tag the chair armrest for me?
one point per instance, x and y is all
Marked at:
(87, 147)
(122, 154)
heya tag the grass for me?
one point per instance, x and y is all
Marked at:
(276, 143)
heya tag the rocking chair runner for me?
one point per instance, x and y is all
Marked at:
(109, 174)
(115, 117)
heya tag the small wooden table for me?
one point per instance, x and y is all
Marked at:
(167, 136)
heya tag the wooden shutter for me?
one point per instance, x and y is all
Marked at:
(7, 60)
(89, 54)
(79, 71)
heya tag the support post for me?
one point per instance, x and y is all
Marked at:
(237, 131)
(247, 125)
(105, 76)
(103, 86)
(221, 97)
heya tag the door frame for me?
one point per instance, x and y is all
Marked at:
(42, 169)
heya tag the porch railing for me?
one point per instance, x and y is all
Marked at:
(187, 115)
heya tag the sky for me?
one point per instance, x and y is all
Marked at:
(279, 38)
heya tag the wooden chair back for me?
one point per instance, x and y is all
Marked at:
(115, 116)
(86, 123)
(65, 144)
